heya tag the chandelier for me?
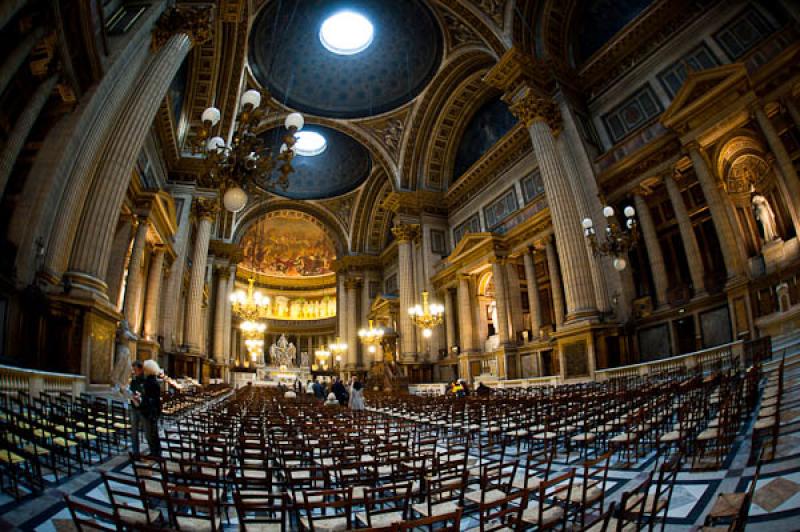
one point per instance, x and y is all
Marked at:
(322, 355)
(250, 306)
(618, 240)
(246, 164)
(371, 337)
(338, 348)
(427, 316)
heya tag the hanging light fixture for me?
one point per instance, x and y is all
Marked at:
(427, 316)
(250, 306)
(247, 164)
(371, 337)
(338, 348)
(618, 241)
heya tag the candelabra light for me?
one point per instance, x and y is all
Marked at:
(338, 348)
(427, 316)
(250, 305)
(618, 240)
(371, 337)
(246, 164)
(322, 355)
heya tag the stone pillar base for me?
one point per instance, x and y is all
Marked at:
(577, 348)
(147, 350)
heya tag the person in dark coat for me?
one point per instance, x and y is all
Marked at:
(150, 406)
(136, 388)
(340, 392)
(319, 390)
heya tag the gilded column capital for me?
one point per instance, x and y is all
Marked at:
(352, 283)
(196, 22)
(405, 232)
(529, 107)
(206, 208)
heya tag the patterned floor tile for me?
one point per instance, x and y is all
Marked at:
(775, 492)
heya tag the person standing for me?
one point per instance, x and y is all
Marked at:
(356, 395)
(340, 391)
(151, 406)
(319, 390)
(136, 390)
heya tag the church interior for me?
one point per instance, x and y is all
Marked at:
(400, 265)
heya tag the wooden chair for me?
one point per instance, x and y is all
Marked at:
(385, 505)
(728, 507)
(261, 512)
(131, 506)
(444, 494)
(589, 489)
(548, 511)
(504, 513)
(446, 522)
(87, 516)
(325, 510)
(194, 509)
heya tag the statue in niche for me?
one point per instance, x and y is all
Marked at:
(304, 359)
(765, 217)
(122, 363)
(291, 355)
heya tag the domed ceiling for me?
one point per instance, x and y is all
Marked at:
(288, 58)
(343, 166)
(287, 243)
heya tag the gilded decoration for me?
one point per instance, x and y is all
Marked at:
(196, 22)
(206, 208)
(287, 244)
(530, 108)
(746, 173)
(405, 232)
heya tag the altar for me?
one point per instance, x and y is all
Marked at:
(281, 365)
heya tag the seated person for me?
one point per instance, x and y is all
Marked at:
(331, 400)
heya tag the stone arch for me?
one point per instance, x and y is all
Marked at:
(462, 65)
(372, 220)
(255, 211)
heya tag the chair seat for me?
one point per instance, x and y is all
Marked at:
(727, 505)
(533, 483)
(9, 457)
(63, 442)
(709, 434)
(624, 437)
(544, 435)
(264, 527)
(648, 503)
(576, 495)
(671, 436)
(764, 423)
(436, 509)
(196, 524)
(489, 496)
(550, 516)
(378, 520)
(586, 436)
(138, 517)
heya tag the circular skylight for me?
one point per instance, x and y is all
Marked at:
(346, 33)
(309, 143)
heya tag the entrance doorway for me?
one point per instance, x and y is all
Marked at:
(684, 334)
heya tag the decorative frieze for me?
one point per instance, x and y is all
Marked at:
(196, 22)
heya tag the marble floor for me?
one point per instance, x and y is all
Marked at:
(776, 502)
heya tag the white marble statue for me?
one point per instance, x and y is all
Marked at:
(765, 216)
(122, 357)
(282, 353)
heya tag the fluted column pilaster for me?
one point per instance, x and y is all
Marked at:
(794, 112)
(352, 286)
(22, 127)
(405, 235)
(341, 307)
(654, 254)
(194, 311)
(533, 293)
(133, 285)
(719, 213)
(787, 177)
(449, 320)
(174, 37)
(555, 282)
(541, 116)
(501, 300)
(219, 315)
(596, 269)
(153, 296)
(465, 326)
(227, 319)
(116, 267)
(693, 257)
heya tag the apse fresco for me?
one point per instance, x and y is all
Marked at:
(287, 246)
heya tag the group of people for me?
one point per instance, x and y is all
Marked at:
(337, 393)
(459, 388)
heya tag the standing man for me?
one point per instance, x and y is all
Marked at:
(136, 389)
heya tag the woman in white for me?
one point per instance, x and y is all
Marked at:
(356, 395)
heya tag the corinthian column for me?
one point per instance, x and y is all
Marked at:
(501, 299)
(653, 249)
(555, 282)
(133, 286)
(533, 293)
(693, 257)
(352, 285)
(787, 177)
(405, 234)
(206, 211)
(176, 32)
(465, 315)
(449, 322)
(153, 297)
(231, 272)
(219, 314)
(542, 117)
(719, 213)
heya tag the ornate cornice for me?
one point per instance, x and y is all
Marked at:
(225, 250)
(195, 21)
(415, 202)
(508, 151)
(356, 263)
(353, 283)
